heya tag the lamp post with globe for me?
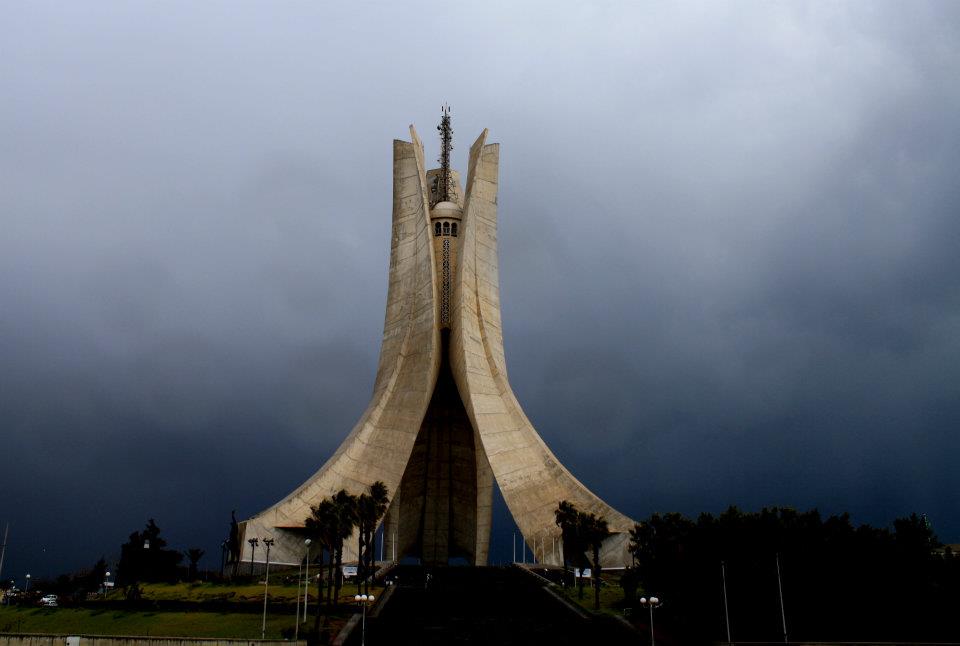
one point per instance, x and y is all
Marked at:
(652, 602)
(28, 584)
(362, 601)
(306, 591)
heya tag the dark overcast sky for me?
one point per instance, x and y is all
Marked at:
(729, 257)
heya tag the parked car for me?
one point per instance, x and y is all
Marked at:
(49, 600)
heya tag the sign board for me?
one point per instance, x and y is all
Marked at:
(586, 574)
(349, 571)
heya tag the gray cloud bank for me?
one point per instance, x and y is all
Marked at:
(728, 249)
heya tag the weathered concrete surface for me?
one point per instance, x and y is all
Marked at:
(443, 423)
(380, 443)
(531, 478)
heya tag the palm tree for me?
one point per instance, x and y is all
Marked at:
(364, 504)
(568, 519)
(593, 531)
(321, 526)
(345, 515)
(370, 508)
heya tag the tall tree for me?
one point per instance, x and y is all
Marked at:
(194, 554)
(345, 512)
(566, 518)
(143, 558)
(321, 526)
(594, 531)
(95, 578)
(569, 518)
(370, 509)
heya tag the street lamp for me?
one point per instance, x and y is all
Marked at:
(266, 588)
(306, 591)
(783, 613)
(726, 609)
(652, 602)
(306, 579)
(362, 601)
(28, 584)
(106, 580)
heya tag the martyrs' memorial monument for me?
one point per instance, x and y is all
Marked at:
(443, 426)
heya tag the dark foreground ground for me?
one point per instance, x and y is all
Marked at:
(489, 605)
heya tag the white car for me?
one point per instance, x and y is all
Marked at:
(49, 600)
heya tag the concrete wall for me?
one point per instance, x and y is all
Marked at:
(99, 640)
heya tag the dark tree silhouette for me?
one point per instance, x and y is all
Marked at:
(345, 514)
(838, 579)
(143, 558)
(593, 531)
(233, 542)
(321, 526)
(566, 518)
(370, 509)
(572, 528)
(194, 554)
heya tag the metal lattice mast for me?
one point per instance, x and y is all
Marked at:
(446, 145)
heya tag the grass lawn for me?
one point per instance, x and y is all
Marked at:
(72, 621)
(201, 592)
(93, 620)
(611, 595)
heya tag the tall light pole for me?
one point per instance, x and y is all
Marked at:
(3, 548)
(266, 588)
(652, 602)
(106, 580)
(306, 580)
(726, 611)
(296, 616)
(28, 584)
(362, 600)
(783, 613)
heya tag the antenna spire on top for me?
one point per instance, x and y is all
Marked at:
(445, 187)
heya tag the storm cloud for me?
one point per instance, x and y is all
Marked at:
(728, 250)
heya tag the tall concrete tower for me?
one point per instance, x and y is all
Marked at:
(443, 425)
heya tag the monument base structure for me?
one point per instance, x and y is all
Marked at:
(443, 424)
